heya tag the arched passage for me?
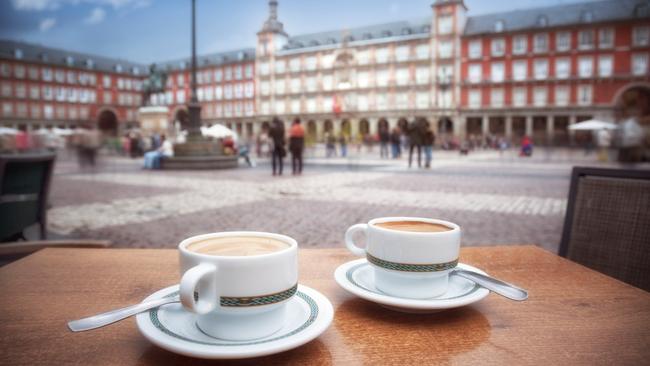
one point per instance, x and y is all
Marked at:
(107, 122)
(634, 102)
(445, 126)
(403, 124)
(382, 125)
(364, 127)
(312, 132)
(328, 126)
(346, 128)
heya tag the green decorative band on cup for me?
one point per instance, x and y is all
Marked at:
(406, 267)
(258, 300)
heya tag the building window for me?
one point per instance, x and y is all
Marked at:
(402, 53)
(496, 98)
(249, 90)
(6, 89)
(218, 75)
(180, 96)
(542, 21)
(311, 84)
(585, 67)
(7, 109)
(519, 97)
(327, 61)
(561, 95)
(362, 103)
(328, 104)
(19, 71)
(363, 79)
(422, 51)
(381, 55)
(606, 38)
(227, 74)
(498, 47)
(264, 69)
(279, 86)
(640, 64)
(34, 92)
(605, 65)
(248, 71)
(294, 64)
(33, 73)
(422, 75)
(497, 72)
(422, 100)
(295, 106)
(47, 74)
(35, 111)
(218, 92)
(475, 73)
(444, 49)
(445, 24)
(402, 76)
(475, 98)
(584, 94)
(587, 17)
(382, 78)
(310, 63)
(541, 69)
(540, 43)
(539, 96)
(519, 45)
(239, 90)
(475, 48)
(18, 53)
(239, 73)
(311, 105)
(5, 70)
(21, 91)
(562, 68)
(59, 76)
(401, 101)
(363, 57)
(328, 82)
(48, 94)
(563, 41)
(295, 85)
(641, 36)
(586, 39)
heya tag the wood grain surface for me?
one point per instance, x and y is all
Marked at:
(573, 316)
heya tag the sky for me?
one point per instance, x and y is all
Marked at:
(159, 30)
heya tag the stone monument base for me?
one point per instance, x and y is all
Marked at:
(199, 162)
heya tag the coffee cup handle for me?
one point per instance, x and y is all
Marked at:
(198, 289)
(349, 242)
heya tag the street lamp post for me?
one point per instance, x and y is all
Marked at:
(194, 107)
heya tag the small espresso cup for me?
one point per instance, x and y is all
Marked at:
(238, 295)
(409, 264)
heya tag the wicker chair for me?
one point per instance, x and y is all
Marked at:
(24, 188)
(607, 224)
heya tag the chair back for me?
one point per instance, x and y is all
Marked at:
(607, 223)
(24, 187)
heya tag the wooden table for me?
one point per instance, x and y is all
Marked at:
(573, 316)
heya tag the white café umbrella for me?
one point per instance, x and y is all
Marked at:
(62, 131)
(8, 131)
(219, 131)
(592, 125)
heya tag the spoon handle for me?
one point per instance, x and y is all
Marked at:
(497, 286)
(109, 317)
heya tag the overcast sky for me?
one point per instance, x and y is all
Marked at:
(159, 30)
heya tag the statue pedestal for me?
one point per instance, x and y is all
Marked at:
(198, 153)
(153, 119)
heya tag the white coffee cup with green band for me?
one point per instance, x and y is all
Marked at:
(239, 282)
(411, 256)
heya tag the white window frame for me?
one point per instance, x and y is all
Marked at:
(606, 38)
(474, 98)
(520, 70)
(585, 94)
(560, 72)
(475, 49)
(540, 96)
(641, 36)
(519, 97)
(540, 68)
(497, 72)
(498, 47)
(497, 99)
(475, 73)
(520, 45)
(585, 66)
(605, 65)
(639, 64)
(586, 39)
(565, 91)
(538, 45)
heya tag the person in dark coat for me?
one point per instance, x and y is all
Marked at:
(384, 140)
(415, 133)
(296, 145)
(428, 140)
(277, 135)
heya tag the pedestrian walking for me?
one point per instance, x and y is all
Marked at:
(526, 147)
(395, 142)
(296, 145)
(330, 144)
(415, 134)
(343, 140)
(278, 153)
(428, 140)
(384, 140)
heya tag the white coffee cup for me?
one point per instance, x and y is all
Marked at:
(240, 297)
(408, 264)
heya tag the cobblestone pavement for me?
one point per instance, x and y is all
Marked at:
(496, 199)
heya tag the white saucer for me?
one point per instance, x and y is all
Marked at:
(171, 327)
(358, 278)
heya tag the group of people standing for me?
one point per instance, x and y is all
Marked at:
(277, 136)
(415, 137)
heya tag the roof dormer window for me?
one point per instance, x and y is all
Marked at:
(241, 55)
(44, 57)
(426, 29)
(367, 36)
(348, 38)
(406, 31)
(118, 68)
(314, 43)
(542, 21)
(69, 60)
(331, 41)
(18, 53)
(182, 65)
(386, 33)
(90, 63)
(587, 17)
(642, 10)
(135, 71)
(499, 25)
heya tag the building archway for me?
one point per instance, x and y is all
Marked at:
(403, 124)
(266, 126)
(445, 126)
(382, 125)
(633, 101)
(364, 127)
(312, 132)
(346, 128)
(107, 122)
(328, 126)
(182, 117)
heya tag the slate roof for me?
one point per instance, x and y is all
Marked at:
(219, 58)
(366, 33)
(561, 15)
(54, 56)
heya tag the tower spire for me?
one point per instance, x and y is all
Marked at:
(272, 24)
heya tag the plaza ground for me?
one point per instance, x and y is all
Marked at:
(497, 198)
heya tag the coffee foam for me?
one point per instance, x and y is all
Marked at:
(237, 246)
